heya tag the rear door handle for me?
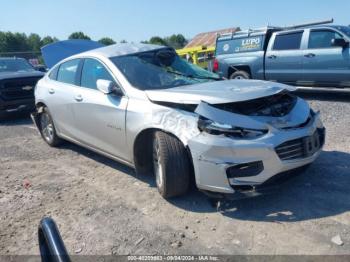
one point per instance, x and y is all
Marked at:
(78, 98)
(51, 90)
(310, 55)
(272, 57)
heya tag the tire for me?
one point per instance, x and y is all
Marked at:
(240, 75)
(171, 165)
(47, 129)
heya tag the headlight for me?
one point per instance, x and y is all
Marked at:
(215, 128)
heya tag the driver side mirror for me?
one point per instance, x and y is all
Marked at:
(108, 87)
(339, 42)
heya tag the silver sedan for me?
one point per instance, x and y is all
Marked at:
(144, 106)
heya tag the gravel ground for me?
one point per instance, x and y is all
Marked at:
(103, 207)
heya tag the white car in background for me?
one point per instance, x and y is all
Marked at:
(144, 106)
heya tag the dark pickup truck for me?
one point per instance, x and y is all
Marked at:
(315, 54)
(17, 82)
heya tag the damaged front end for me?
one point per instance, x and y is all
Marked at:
(238, 148)
(240, 134)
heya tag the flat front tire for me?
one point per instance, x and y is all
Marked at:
(47, 128)
(171, 165)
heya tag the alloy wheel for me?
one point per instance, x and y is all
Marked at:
(158, 169)
(46, 127)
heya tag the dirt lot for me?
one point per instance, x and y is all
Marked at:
(102, 207)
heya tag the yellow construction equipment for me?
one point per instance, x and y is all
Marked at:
(199, 55)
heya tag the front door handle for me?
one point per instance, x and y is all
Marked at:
(78, 98)
(51, 91)
(310, 55)
(272, 57)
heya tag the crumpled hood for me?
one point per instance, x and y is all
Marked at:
(11, 75)
(218, 92)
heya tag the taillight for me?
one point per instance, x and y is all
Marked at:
(215, 65)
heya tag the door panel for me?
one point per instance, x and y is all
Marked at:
(327, 66)
(60, 103)
(99, 117)
(323, 63)
(61, 90)
(283, 60)
(284, 66)
(100, 121)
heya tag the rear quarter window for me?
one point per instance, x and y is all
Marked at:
(53, 73)
(67, 72)
(239, 45)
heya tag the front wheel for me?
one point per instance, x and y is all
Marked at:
(47, 129)
(171, 165)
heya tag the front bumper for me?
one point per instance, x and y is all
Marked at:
(16, 106)
(213, 155)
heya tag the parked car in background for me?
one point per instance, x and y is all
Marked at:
(314, 54)
(146, 107)
(17, 81)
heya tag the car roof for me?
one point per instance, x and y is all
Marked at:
(121, 49)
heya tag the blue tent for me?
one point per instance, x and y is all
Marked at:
(55, 52)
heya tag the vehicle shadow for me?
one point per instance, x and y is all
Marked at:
(147, 178)
(16, 119)
(321, 191)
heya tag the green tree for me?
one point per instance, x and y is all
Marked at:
(106, 41)
(123, 41)
(13, 42)
(34, 42)
(79, 35)
(156, 40)
(176, 41)
(48, 40)
(2, 41)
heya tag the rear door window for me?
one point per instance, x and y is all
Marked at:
(322, 38)
(290, 41)
(67, 73)
(92, 71)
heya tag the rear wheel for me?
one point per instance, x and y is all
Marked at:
(240, 75)
(47, 129)
(171, 165)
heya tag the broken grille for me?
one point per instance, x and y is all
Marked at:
(301, 147)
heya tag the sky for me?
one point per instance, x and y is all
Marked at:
(137, 20)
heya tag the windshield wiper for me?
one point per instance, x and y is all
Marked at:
(192, 76)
